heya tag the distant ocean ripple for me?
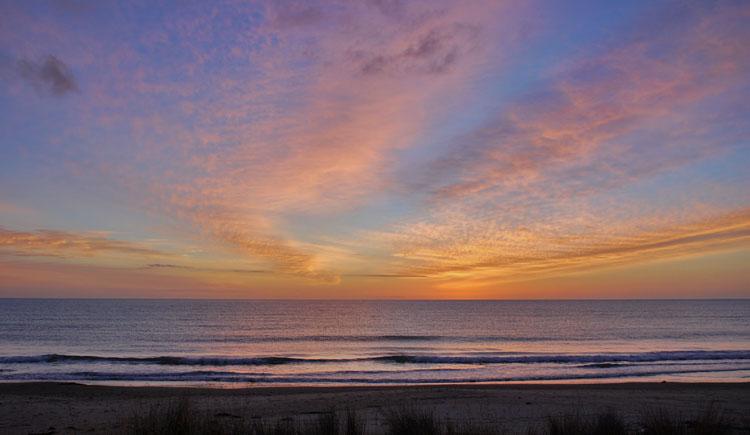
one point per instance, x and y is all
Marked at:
(366, 342)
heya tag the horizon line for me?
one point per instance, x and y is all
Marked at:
(373, 299)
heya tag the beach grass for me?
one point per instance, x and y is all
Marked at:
(711, 422)
(607, 422)
(182, 418)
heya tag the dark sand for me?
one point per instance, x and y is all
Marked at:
(73, 408)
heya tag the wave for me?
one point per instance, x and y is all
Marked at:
(234, 377)
(601, 359)
(603, 365)
(571, 358)
(159, 360)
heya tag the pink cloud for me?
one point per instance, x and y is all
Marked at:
(310, 131)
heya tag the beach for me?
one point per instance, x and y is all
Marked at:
(101, 366)
(66, 408)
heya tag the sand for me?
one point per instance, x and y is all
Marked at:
(74, 408)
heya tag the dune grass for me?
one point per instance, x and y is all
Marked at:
(181, 418)
(661, 422)
(605, 423)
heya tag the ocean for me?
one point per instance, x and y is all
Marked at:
(250, 342)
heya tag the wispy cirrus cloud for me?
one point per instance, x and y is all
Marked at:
(623, 114)
(168, 266)
(483, 252)
(529, 191)
(463, 141)
(308, 131)
(70, 244)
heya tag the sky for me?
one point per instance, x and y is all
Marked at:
(375, 149)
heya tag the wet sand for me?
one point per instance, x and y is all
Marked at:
(63, 408)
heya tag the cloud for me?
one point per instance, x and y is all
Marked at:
(303, 132)
(167, 266)
(433, 52)
(48, 76)
(284, 257)
(383, 275)
(483, 252)
(627, 112)
(293, 14)
(69, 244)
(390, 8)
(542, 186)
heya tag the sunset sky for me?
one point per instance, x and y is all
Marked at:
(375, 149)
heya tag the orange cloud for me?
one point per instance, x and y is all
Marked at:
(481, 253)
(68, 244)
(538, 189)
(314, 131)
(306, 115)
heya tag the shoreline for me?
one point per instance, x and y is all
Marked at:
(12, 386)
(56, 407)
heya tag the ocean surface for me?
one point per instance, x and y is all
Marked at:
(241, 343)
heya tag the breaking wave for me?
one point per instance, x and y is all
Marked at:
(235, 377)
(603, 360)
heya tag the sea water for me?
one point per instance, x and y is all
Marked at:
(251, 342)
